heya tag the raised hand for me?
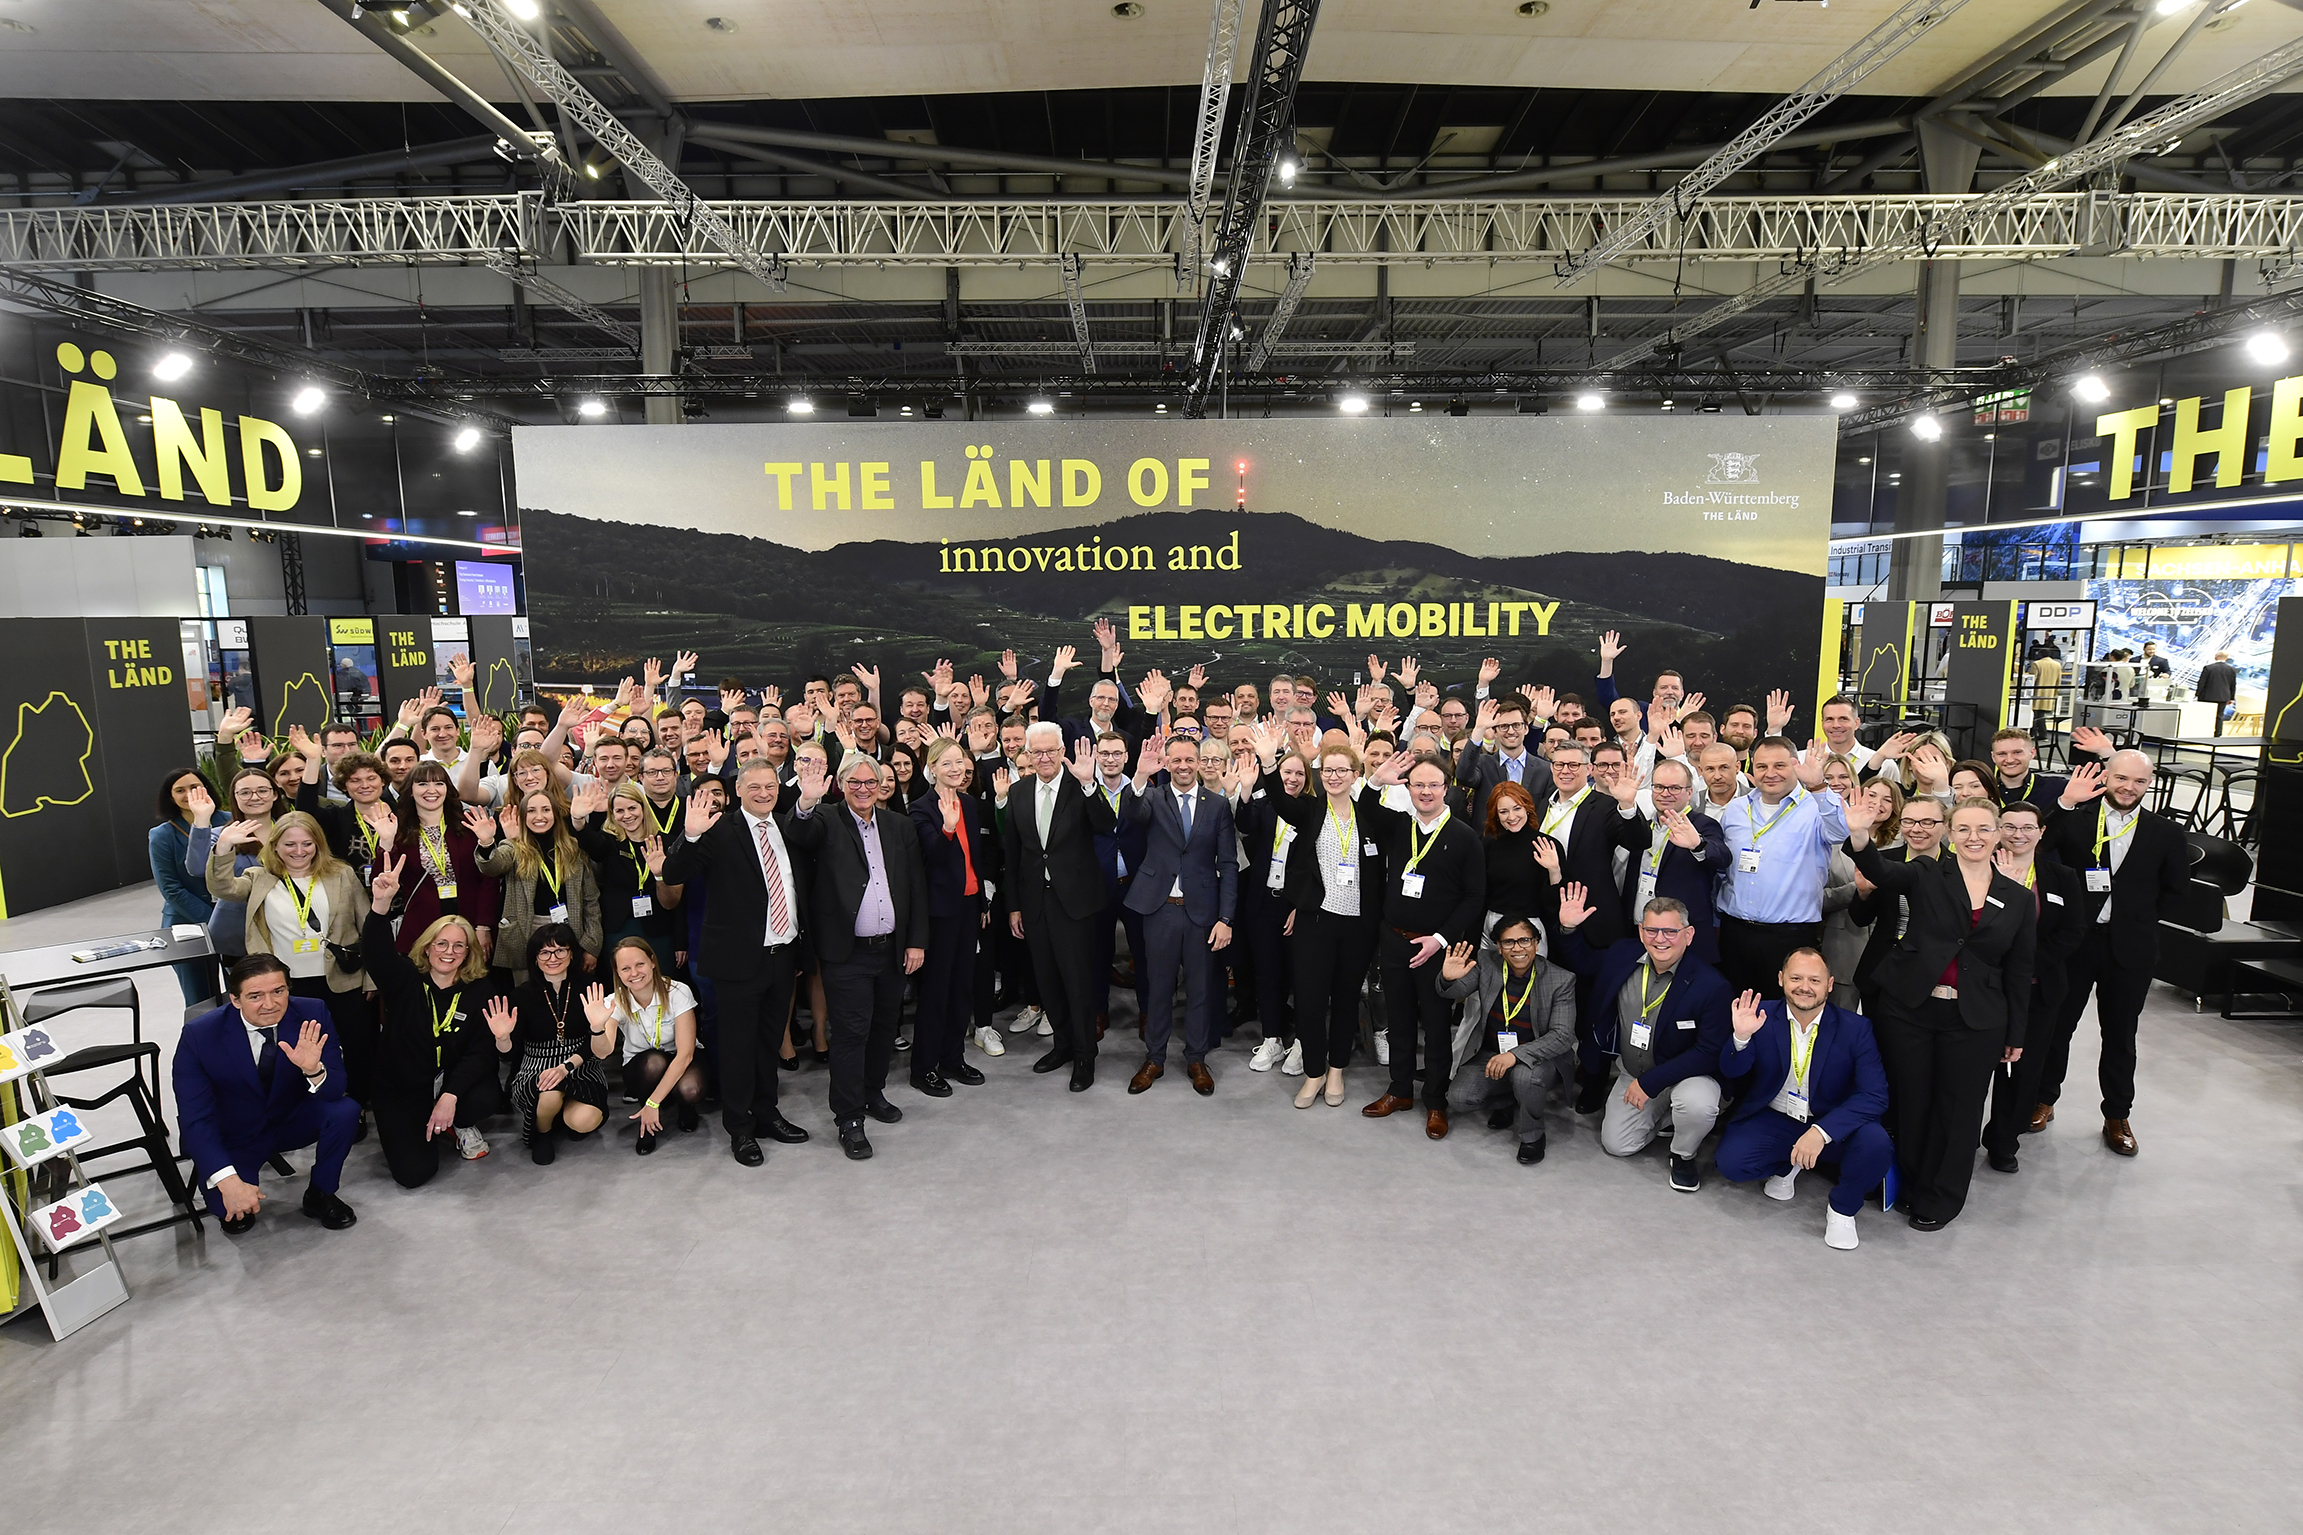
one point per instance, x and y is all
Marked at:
(716, 748)
(1811, 764)
(482, 825)
(684, 664)
(461, 668)
(1198, 677)
(426, 699)
(702, 817)
(381, 821)
(978, 691)
(1021, 694)
(652, 674)
(1670, 741)
(1409, 670)
(1691, 704)
(869, 676)
(1547, 856)
(1149, 759)
(1108, 639)
(500, 1018)
(199, 804)
(1744, 1014)
(1489, 670)
(1461, 960)
(304, 1054)
(1266, 737)
(385, 881)
(732, 699)
(239, 834)
(1862, 814)
(487, 735)
(1680, 830)
(1002, 781)
(1779, 712)
(238, 720)
(2008, 864)
(1929, 768)
(1483, 722)
(597, 1008)
(1574, 910)
(1153, 691)
(573, 713)
(1896, 745)
(771, 697)
(2086, 783)
(1610, 646)
(1083, 760)
(1340, 707)
(409, 709)
(590, 800)
(1375, 669)
(301, 743)
(1542, 700)
(1622, 785)
(1067, 657)
(252, 747)
(653, 851)
(1427, 695)
(1393, 770)
(508, 818)
(2089, 739)
(815, 779)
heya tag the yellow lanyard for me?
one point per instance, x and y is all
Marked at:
(1558, 814)
(653, 1024)
(552, 876)
(440, 1026)
(640, 875)
(1758, 831)
(1800, 1059)
(367, 836)
(434, 840)
(662, 823)
(302, 901)
(1415, 853)
(1346, 830)
(1511, 1009)
(2104, 837)
(1647, 1007)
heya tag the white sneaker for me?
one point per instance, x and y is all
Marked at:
(1047, 1026)
(1383, 1047)
(1839, 1231)
(989, 1042)
(1027, 1020)
(1293, 1065)
(471, 1145)
(1779, 1187)
(1266, 1055)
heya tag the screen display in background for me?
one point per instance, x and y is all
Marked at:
(483, 587)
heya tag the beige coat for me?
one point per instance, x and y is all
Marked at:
(347, 909)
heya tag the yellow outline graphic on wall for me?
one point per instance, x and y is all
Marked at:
(42, 800)
(488, 702)
(2275, 736)
(288, 697)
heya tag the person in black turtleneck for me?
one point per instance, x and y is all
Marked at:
(562, 1081)
(1517, 880)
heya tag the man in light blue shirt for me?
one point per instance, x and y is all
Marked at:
(1779, 841)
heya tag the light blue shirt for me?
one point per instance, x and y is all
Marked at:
(876, 913)
(1794, 840)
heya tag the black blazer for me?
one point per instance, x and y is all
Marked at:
(1878, 912)
(2062, 929)
(1306, 886)
(727, 861)
(1478, 771)
(1679, 874)
(2156, 866)
(1994, 952)
(1454, 868)
(1587, 857)
(840, 870)
(946, 866)
(1066, 866)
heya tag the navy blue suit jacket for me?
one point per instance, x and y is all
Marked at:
(1681, 876)
(1846, 1085)
(1208, 865)
(1698, 995)
(1126, 841)
(220, 1104)
(947, 867)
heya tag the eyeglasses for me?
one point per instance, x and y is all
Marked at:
(1515, 943)
(1661, 934)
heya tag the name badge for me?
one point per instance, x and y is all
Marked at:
(1506, 1041)
(304, 945)
(1346, 875)
(1992, 900)
(1411, 886)
(642, 906)
(447, 891)
(2052, 896)
(559, 913)
(2099, 881)
(1747, 861)
(1795, 1104)
(1641, 1035)
(1686, 1023)
(1367, 849)
(1277, 879)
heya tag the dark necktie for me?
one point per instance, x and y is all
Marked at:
(267, 1059)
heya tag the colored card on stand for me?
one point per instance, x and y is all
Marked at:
(27, 1050)
(78, 1215)
(30, 1142)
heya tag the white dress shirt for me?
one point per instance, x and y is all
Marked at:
(791, 929)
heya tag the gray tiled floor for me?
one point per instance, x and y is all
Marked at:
(1039, 1311)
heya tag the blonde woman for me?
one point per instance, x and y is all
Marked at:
(627, 859)
(305, 906)
(656, 1019)
(436, 1048)
(546, 879)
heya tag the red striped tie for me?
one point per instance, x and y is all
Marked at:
(778, 917)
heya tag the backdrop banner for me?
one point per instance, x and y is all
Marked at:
(494, 678)
(294, 674)
(782, 550)
(405, 665)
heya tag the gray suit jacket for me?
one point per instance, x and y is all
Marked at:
(1208, 864)
(1546, 1029)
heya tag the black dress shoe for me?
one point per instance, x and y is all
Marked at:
(746, 1150)
(646, 1145)
(823, 1057)
(1530, 1152)
(1083, 1076)
(544, 1146)
(965, 1075)
(331, 1212)
(2000, 1164)
(1927, 1223)
(852, 1142)
(780, 1130)
(933, 1085)
(787, 1063)
(1500, 1119)
(883, 1111)
(235, 1224)
(360, 1130)
(1591, 1097)
(1055, 1060)
(687, 1115)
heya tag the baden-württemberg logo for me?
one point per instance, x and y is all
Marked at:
(1735, 499)
(1733, 469)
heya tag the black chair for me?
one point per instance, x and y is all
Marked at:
(115, 991)
(152, 1143)
(2168, 786)
(2231, 821)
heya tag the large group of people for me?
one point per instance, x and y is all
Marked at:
(603, 917)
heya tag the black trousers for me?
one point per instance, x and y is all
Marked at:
(1331, 955)
(1112, 920)
(411, 1155)
(947, 995)
(1063, 956)
(2015, 1088)
(1411, 995)
(1263, 915)
(1751, 954)
(864, 993)
(2119, 984)
(1938, 1079)
(1017, 981)
(752, 1014)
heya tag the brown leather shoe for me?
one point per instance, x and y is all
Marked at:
(1387, 1105)
(2042, 1115)
(2118, 1137)
(1150, 1072)
(1202, 1080)
(1435, 1124)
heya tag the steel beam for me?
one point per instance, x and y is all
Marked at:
(704, 130)
(325, 173)
(440, 78)
(1299, 269)
(1207, 132)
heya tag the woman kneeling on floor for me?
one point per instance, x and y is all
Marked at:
(657, 1018)
(562, 1082)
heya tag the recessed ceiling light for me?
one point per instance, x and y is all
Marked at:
(387, 419)
(1160, 408)
(719, 24)
(466, 512)
(308, 399)
(1415, 407)
(1127, 10)
(171, 367)
(526, 10)
(1863, 460)
(311, 452)
(146, 420)
(1042, 407)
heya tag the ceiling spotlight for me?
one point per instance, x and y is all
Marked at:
(591, 170)
(2170, 7)
(311, 452)
(1843, 401)
(1220, 266)
(1352, 405)
(800, 405)
(467, 439)
(1287, 170)
(1415, 407)
(2267, 347)
(591, 409)
(1042, 407)
(1589, 402)
(2092, 389)
(171, 367)
(1160, 409)
(387, 418)
(308, 399)
(719, 24)
(1926, 428)
(1667, 404)
(526, 10)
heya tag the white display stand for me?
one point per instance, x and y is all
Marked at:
(65, 1225)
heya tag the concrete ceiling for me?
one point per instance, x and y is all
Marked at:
(293, 50)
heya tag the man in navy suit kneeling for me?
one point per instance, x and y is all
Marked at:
(257, 1077)
(1813, 1094)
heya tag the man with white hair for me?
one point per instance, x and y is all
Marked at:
(1055, 891)
(2131, 863)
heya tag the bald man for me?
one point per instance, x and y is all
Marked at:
(2131, 863)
